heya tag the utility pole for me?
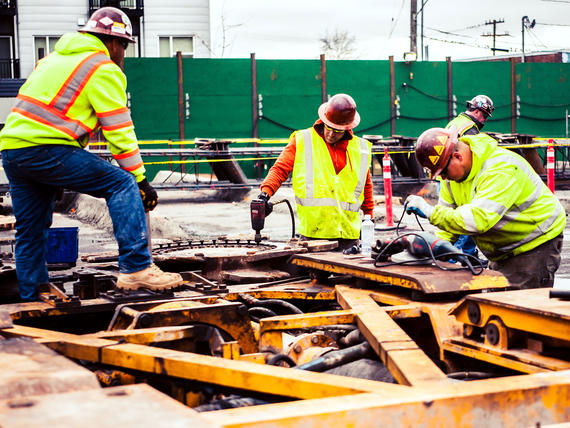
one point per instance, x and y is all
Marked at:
(526, 23)
(413, 26)
(494, 23)
(422, 27)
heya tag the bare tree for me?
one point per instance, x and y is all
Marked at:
(338, 45)
(224, 29)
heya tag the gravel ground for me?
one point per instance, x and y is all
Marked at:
(192, 214)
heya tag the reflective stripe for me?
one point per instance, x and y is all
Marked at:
(309, 199)
(468, 219)
(514, 212)
(309, 177)
(363, 171)
(115, 119)
(129, 161)
(41, 112)
(444, 202)
(327, 202)
(539, 230)
(77, 80)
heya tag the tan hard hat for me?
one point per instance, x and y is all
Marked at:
(340, 112)
(111, 21)
(434, 148)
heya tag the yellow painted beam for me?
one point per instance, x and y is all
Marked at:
(401, 355)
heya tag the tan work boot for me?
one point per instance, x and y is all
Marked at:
(152, 278)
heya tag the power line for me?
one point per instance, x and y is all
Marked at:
(553, 25)
(447, 32)
(457, 43)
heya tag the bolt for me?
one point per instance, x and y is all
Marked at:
(314, 340)
(145, 320)
(297, 348)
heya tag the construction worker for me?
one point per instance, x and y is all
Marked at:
(470, 122)
(70, 93)
(331, 177)
(495, 196)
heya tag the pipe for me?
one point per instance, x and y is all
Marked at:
(278, 358)
(337, 358)
(256, 313)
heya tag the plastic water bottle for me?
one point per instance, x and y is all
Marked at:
(367, 236)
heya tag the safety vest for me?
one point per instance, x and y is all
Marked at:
(72, 92)
(328, 203)
(503, 203)
(463, 123)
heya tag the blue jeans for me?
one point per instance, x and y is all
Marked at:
(466, 244)
(35, 173)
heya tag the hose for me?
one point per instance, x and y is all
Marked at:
(337, 358)
(289, 307)
(291, 212)
(256, 313)
(277, 358)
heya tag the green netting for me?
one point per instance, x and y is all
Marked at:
(220, 97)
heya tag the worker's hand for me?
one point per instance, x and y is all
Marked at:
(148, 195)
(418, 205)
(268, 205)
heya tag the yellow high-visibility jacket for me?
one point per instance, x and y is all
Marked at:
(70, 93)
(502, 203)
(465, 125)
(328, 204)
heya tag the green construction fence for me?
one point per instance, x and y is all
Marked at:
(219, 99)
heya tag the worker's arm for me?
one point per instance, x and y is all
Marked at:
(106, 92)
(367, 206)
(281, 169)
(496, 191)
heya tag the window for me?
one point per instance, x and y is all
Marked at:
(169, 45)
(44, 45)
(132, 50)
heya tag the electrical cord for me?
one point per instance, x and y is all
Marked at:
(468, 258)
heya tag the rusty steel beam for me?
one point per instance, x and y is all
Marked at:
(218, 371)
(399, 353)
(518, 401)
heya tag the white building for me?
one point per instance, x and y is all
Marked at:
(29, 29)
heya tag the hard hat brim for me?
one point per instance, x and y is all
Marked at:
(346, 127)
(449, 147)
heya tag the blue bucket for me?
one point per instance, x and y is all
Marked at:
(62, 245)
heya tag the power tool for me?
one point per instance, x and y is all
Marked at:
(258, 209)
(419, 244)
(422, 245)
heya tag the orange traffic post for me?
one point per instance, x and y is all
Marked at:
(550, 165)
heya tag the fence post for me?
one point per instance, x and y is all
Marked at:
(550, 165)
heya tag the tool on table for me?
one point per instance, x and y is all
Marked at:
(425, 246)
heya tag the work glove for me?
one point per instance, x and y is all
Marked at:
(418, 205)
(268, 205)
(148, 195)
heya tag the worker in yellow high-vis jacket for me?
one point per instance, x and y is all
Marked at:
(71, 93)
(495, 196)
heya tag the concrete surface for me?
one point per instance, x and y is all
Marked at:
(193, 214)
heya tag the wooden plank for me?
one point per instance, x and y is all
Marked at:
(33, 369)
(132, 406)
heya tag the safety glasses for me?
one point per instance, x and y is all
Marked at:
(336, 131)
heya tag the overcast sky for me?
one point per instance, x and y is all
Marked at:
(291, 29)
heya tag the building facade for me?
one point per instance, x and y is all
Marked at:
(29, 29)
